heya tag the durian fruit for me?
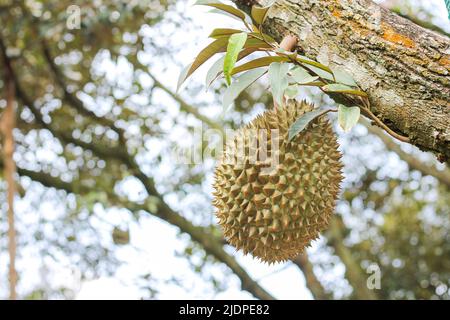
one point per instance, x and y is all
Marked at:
(274, 215)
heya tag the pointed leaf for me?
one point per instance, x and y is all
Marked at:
(240, 84)
(262, 36)
(301, 123)
(183, 76)
(223, 32)
(217, 68)
(301, 76)
(278, 77)
(224, 13)
(256, 63)
(291, 91)
(320, 72)
(343, 77)
(256, 43)
(225, 7)
(308, 62)
(214, 71)
(216, 46)
(348, 117)
(312, 81)
(235, 45)
(259, 13)
(342, 88)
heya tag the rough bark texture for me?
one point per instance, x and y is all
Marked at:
(403, 67)
(7, 125)
(443, 176)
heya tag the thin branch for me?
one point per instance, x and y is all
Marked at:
(186, 107)
(385, 127)
(71, 98)
(313, 284)
(442, 175)
(353, 271)
(393, 6)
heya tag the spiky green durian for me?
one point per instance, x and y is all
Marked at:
(274, 215)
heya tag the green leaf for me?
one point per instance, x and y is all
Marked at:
(240, 84)
(278, 77)
(308, 62)
(223, 32)
(342, 88)
(343, 77)
(301, 123)
(223, 13)
(259, 13)
(301, 76)
(214, 71)
(235, 45)
(262, 36)
(256, 43)
(216, 46)
(291, 91)
(348, 117)
(256, 63)
(320, 72)
(224, 7)
(319, 69)
(183, 76)
(217, 68)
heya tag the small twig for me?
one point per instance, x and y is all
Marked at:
(385, 127)
(288, 43)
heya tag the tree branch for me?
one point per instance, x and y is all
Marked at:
(404, 68)
(186, 107)
(392, 6)
(72, 99)
(313, 284)
(211, 245)
(353, 271)
(443, 176)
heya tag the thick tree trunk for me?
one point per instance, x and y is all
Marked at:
(403, 67)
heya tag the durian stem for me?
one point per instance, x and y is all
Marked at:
(288, 43)
(380, 123)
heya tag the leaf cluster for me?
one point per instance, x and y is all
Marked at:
(287, 71)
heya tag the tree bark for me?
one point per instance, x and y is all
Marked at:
(404, 68)
(353, 271)
(7, 125)
(313, 284)
(443, 176)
